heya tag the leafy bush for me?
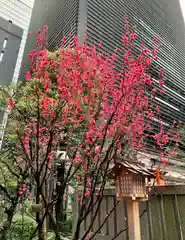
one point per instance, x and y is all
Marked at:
(22, 228)
(11, 186)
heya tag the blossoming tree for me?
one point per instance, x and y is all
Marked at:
(77, 99)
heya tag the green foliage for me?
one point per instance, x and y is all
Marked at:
(11, 185)
(27, 208)
(22, 228)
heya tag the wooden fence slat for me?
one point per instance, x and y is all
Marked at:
(104, 229)
(89, 220)
(178, 220)
(170, 218)
(115, 216)
(97, 220)
(163, 220)
(144, 221)
(181, 205)
(107, 211)
(111, 219)
(149, 218)
(156, 218)
(122, 222)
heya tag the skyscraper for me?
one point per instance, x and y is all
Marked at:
(103, 20)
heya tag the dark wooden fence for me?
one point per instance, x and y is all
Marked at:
(162, 217)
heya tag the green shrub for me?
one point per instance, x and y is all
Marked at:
(11, 186)
(22, 228)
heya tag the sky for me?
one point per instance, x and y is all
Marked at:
(182, 2)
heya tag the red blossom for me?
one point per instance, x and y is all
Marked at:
(99, 45)
(86, 194)
(139, 161)
(133, 36)
(28, 76)
(78, 177)
(155, 40)
(11, 103)
(161, 72)
(163, 160)
(78, 159)
(154, 90)
(158, 108)
(125, 39)
(161, 83)
(65, 198)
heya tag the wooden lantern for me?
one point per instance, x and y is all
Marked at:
(131, 181)
(132, 185)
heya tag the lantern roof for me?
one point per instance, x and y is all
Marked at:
(132, 167)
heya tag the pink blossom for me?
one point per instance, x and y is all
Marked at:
(139, 161)
(28, 76)
(125, 39)
(163, 160)
(86, 194)
(11, 103)
(133, 36)
(78, 159)
(161, 83)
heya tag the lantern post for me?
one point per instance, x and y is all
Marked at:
(131, 185)
(133, 220)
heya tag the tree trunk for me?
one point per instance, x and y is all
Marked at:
(40, 224)
(59, 209)
(41, 227)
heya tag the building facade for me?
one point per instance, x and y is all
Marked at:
(103, 21)
(15, 18)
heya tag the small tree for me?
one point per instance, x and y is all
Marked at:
(13, 186)
(75, 98)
